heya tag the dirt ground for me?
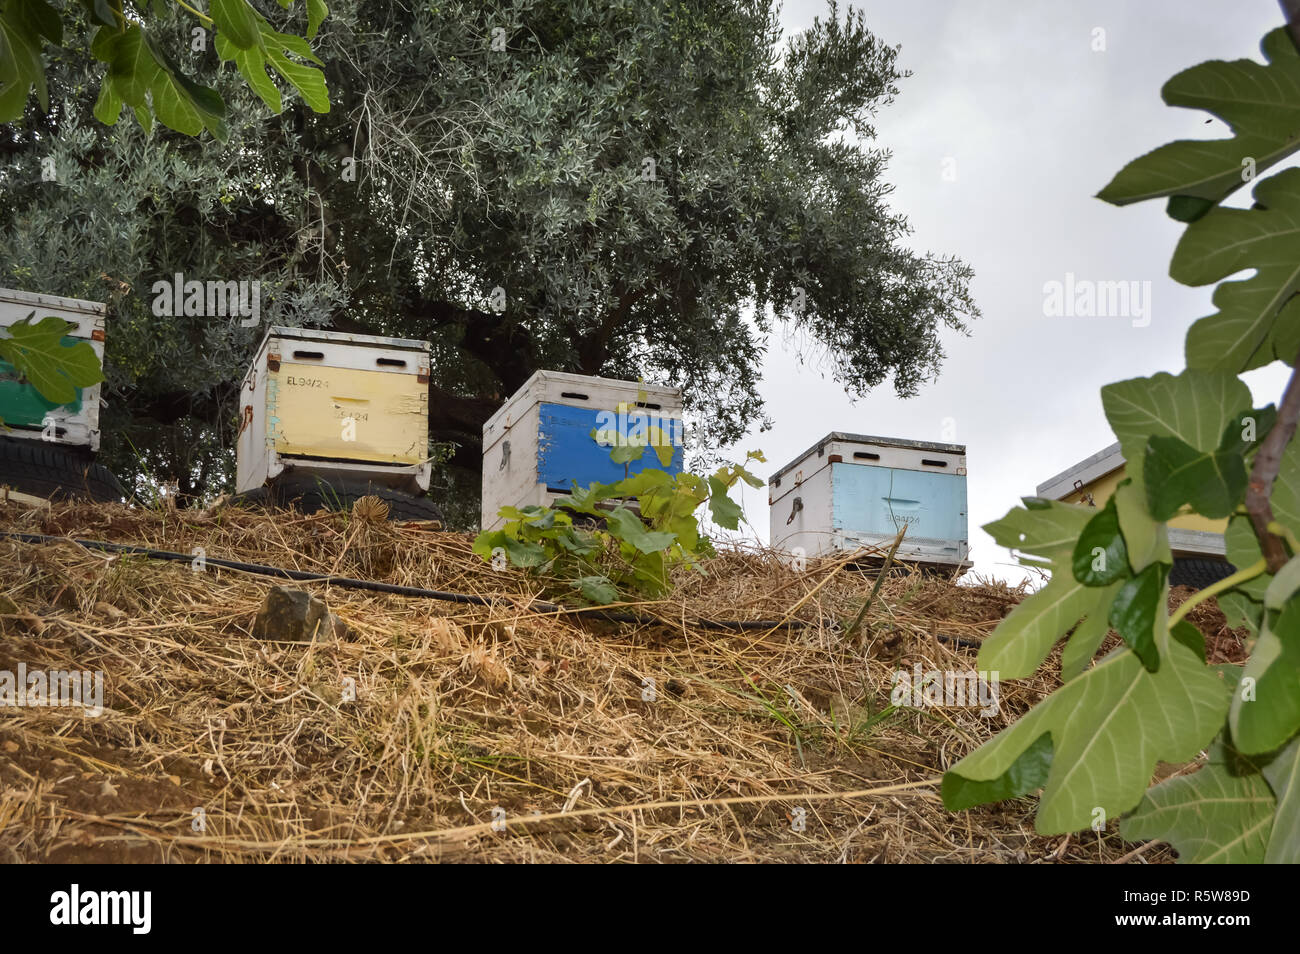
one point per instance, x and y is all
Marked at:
(438, 731)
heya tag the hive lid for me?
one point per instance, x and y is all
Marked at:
(33, 300)
(1085, 472)
(874, 441)
(591, 380)
(592, 388)
(341, 337)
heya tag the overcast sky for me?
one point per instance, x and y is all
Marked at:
(1010, 99)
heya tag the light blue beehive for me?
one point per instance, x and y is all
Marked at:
(853, 490)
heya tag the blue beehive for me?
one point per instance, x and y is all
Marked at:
(851, 490)
(539, 445)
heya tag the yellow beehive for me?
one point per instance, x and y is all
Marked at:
(1094, 480)
(324, 401)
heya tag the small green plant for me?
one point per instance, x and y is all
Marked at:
(624, 537)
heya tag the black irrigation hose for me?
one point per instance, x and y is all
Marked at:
(375, 586)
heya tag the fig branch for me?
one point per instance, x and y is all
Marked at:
(1268, 460)
(1291, 10)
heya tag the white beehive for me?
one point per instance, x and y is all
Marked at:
(852, 490)
(325, 402)
(538, 446)
(25, 412)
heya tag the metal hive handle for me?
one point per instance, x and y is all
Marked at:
(794, 509)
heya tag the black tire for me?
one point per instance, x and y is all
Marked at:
(56, 473)
(314, 494)
(1198, 573)
(585, 521)
(255, 499)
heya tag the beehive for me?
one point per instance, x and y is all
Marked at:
(333, 403)
(852, 490)
(24, 411)
(1095, 478)
(539, 445)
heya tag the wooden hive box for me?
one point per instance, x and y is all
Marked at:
(1094, 479)
(853, 490)
(539, 445)
(26, 414)
(331, 403)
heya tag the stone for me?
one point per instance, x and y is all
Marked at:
(297, 616)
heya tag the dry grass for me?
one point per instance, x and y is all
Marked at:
(461, 710)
